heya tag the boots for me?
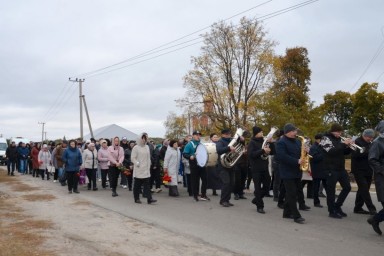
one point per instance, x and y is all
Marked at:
(114, 194)
(173, 191)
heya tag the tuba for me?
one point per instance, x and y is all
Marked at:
(266, 138)
(304, 166)
(229, 159)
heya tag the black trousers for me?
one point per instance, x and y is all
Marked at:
(198, 173)
(240, 171)
(114, 173)
(309, 184)
(262, 182)
(104, 174)
(91, 174)
(155, 178)
(11, 163)
(188, 184)
(332, 179)
(316, 188)
(137, 188)
(292, 188)
(227, 177)
(362, 195)
(42, 172)
(72, 180)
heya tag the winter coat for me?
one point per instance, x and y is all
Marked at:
(141, 159)
(11, 153)
(255, 152)
(376, 161)
(359, 161)
(334, 151)
(53, 157)
(90, 159)
(190, 149)
(59, 154)
(103, 157)
(44, 159)
(172, 163)
(222, 148)
(127, 158)
(288, 152)
(316, 162)
(35, 156)
(72, 159)
(23, 152)
(116, 155)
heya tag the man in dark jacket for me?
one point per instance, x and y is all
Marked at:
(288, 152)
(334, 150)
(258, 161)
(363, 173)
(376, 161)
(226, 174)
(317, 168)
(11, 154)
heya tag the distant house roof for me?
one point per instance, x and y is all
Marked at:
(111, 131)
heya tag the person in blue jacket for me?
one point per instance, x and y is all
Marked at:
(23, 153)
(288, 152)
(72, 160)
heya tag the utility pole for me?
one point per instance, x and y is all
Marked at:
(82, 100)
(45, 133)
(42, 133)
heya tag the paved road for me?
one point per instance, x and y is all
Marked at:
(241, 229)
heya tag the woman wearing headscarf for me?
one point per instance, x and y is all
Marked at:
(116, 158)
(72, 160)
(44, 160)
(35, 159)
(141, 159)
(90, 164)
(171, 166)
(103, 157)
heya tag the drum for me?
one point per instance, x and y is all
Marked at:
(206, 154)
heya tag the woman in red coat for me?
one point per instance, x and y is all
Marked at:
(35, 161)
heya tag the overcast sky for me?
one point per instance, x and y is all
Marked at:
(44, 42)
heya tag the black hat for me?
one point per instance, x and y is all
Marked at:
(288, 128)
(336, 128)
(196, 133)
(256, 130)
(318, 136)
(65, 142)
(226, 131)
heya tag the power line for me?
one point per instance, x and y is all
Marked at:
(63, 103)
(158, 49)
(55, 102)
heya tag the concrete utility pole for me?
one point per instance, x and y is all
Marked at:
(82, 100)
(42, 132)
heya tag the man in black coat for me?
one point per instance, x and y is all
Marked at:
(334, 150)
(11, 154)
(288, 153)
(363, 173)
(258, 161)
(376, 161)
(317, 168)
(226, 174)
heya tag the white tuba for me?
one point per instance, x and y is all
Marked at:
(229, 159)
(266, 139)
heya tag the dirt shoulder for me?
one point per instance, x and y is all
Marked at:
(41, 221)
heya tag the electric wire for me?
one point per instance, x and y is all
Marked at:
(153, 51)
(55, 102)
(63, 103)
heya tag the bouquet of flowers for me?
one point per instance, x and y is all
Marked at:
(124, 170)
(166, 178)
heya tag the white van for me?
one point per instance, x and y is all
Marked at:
(3, 149)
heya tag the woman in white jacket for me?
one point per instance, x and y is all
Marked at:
(44, 159)
(171, 166)
(141, 159)
(90, 164)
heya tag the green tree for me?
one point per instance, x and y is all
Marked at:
(368, 105)
(338, 108)
(235, 63)
(175, 126)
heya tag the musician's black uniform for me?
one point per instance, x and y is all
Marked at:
(319, 174)
(259, 169)
(376, 161)
(334, 164)
(363, 174)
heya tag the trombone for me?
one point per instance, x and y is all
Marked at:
(353, 145)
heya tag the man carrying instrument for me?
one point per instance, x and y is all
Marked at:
(197, 172)
(363, 173)
(227, 175)
(258, 161)
(334, 149)
(288, 152)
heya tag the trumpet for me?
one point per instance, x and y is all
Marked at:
(353, 145)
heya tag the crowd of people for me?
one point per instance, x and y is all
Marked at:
(274, 167)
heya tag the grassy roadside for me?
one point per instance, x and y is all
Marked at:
(20, 234)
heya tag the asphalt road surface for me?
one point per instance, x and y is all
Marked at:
(243, 231)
